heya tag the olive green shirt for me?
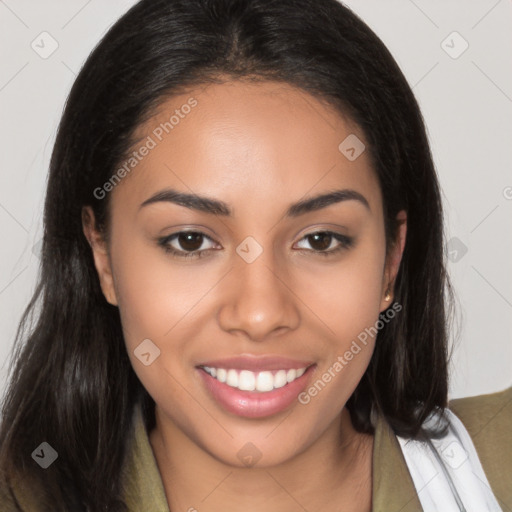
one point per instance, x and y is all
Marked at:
(487, 418)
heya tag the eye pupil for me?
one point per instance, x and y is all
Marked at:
(325, 239)
(189, 241)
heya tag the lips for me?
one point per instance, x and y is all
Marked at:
(255, 387)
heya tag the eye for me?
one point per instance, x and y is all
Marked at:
(327, 243)
(187, 244)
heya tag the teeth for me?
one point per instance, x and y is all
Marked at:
(265, 381)
(232, 378)
(246, 380)
(290, 376)
(221, 373)
(262, 382)
(280, 379)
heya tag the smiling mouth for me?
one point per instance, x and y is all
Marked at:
(261, 382)
(269, 387)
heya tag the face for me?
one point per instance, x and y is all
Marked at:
(237, 307)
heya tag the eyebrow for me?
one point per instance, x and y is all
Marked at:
(214, 206)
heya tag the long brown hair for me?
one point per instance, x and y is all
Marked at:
(72, 384)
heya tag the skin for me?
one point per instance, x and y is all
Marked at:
(259, 147)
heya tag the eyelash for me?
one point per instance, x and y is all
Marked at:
(345, 243)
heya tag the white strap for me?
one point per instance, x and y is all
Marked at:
(446, 472)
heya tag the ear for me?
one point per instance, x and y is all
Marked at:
(100, 254)
(393, 260)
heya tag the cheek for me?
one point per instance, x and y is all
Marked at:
(347, 295)
(153, 291)
(156, 299)
(347, 298)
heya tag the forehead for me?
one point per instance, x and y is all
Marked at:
(248, 144)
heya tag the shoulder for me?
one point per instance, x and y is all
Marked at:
(7, 499)
(485, 403)
(488, 420)
(484, 415)
(21, 496)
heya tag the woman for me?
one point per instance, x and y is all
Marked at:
(242, 294)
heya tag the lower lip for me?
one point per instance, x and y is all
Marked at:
(253, 404)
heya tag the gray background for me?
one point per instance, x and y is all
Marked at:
(466, 98)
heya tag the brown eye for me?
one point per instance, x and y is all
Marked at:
(186, 244)
(190, 241)
(320, 241)
(327, 242)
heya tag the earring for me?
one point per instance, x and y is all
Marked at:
(387, 297)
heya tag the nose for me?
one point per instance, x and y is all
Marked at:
(259, 301)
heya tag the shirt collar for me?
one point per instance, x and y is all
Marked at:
(142, 482)
(393, 489)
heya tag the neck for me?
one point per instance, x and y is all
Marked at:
(333, 473)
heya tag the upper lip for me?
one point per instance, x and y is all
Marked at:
(257, 363)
